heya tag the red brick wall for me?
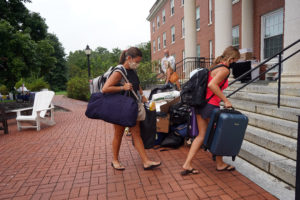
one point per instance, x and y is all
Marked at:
(175, 20)
(237, 18)
(261, 8)
(206, 31)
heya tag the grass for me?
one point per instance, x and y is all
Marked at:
(61, 93)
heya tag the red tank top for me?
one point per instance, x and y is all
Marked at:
(215, 100)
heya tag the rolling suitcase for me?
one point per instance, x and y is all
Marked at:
(225, 132)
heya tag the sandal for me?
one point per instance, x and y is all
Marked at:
(152, 166)
(119, 167)
(226, 168)
(189, 171)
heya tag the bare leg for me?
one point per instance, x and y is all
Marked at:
(139, 146)
(178, 85)
(221, 165)
(116, 144)
(198, 141)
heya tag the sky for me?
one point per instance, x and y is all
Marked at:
(97, 23)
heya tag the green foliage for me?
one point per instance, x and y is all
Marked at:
(26, 49)
(37, 85)
(78, 88)
(19, 83)
(145, 74)
(3, 90)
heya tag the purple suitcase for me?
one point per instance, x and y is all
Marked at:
(193, 127)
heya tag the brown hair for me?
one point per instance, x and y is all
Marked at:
(229, 53)
(133, 52)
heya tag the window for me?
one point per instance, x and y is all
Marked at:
(198, 50)
(173, 34)
(172, 7)
(158, 43)
(153, 26)
(164, 39)
(154, 46)
(235, 1)
(236, 37)
(272, 30)
(210, 11)
(182, 2)
(210, 51)
(198, 18)
(182, 28)
(157, 20)
(163, 16)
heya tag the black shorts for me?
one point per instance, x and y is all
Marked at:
(206, 110)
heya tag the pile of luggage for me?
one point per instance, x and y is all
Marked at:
(172, 122)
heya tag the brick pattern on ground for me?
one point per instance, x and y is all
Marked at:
(71, 160)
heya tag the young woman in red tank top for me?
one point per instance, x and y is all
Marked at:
(216, 79)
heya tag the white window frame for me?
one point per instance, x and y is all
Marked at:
(262, 37)
(172, 34)
(182, 2)
(164, 39)
(158, 44)
(153, 26)
(163, 16)
(197, 18)
(182, 28)
(210, 51)
(235, 1)
(172, 5)
(154, 46)
(210, 12)
(236, 28)
(198, 52)
(157, 21)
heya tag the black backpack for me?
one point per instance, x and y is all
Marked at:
(179, 113)
(193, 91)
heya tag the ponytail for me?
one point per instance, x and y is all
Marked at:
(122, 57)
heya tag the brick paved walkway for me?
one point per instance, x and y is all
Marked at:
(71, 160)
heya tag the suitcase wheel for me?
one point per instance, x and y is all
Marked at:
(233, 158)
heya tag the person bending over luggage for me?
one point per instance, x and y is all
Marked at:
(130, 60)
(169, 79)
(217, 77)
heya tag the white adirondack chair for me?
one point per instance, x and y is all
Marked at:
(42, 103)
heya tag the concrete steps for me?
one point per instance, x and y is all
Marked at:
(270, 142)
(270, 162)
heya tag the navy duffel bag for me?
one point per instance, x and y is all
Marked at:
(113, 108)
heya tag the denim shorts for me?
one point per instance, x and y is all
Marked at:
(206, 110)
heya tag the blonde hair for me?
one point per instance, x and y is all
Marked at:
(229, 53)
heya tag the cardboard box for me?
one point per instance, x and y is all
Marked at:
(162, 124)
(246, 56)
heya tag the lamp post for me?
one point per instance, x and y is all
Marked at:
(88, 52)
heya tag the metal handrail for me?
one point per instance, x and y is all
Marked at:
(261, 64)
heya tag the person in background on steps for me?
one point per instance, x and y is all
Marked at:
(215, 80)
(130, 60)
(168, 67)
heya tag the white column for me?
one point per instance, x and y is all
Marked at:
(291, 67)
(190, 41)
(247, 24)
(223, 25)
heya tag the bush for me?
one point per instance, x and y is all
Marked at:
(38, 85)
(78, 88)
(19, 83)
(3, 90)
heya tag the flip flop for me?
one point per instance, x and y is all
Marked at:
(152, 166)
(189, 171)
(227, 168)
(121, 167)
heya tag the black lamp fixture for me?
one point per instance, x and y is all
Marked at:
(88, 52)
